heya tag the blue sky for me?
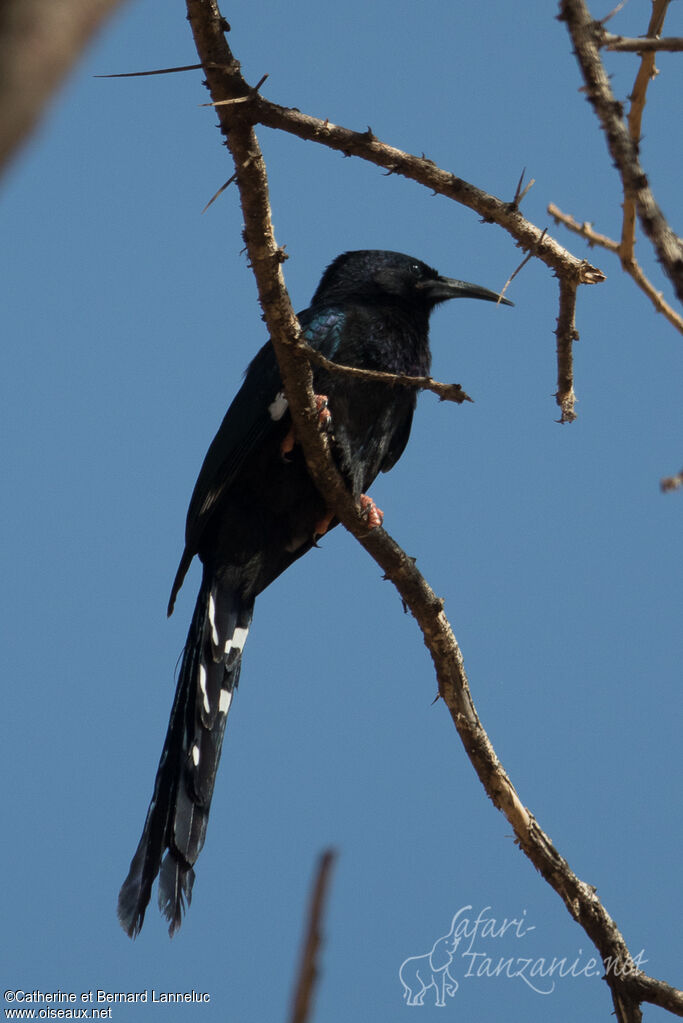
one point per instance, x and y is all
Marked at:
(129, 319)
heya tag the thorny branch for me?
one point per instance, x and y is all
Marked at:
(492, 209)
(367, 146)
(566, 334)
(624, 249)
(623, 140)
(646, 73)
(633, 269)
(445, 392)
(646, 44)
(628, 985)
(587, 37)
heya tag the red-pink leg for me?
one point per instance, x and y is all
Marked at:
(324, 424)
(373, 515)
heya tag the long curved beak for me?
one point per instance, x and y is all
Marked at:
(441, 289)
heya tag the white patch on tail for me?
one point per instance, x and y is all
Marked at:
(236, 641)
(202, 687)
(195, 755)
(224, 701)
(239, 638)
(212, 619)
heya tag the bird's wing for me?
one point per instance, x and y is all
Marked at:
(247, 425)
(249, 420)
(398, 442)
(323, 328)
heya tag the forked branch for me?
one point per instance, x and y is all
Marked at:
(586, 35)
(632, 268)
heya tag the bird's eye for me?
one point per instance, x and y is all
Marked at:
(416, 269)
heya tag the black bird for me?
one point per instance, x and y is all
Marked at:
(255, 510)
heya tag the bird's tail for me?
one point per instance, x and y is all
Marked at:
(176, 821)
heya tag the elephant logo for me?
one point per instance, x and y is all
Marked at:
(419, 973)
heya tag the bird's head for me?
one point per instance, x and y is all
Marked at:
(376, 276)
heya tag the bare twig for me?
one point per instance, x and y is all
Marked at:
(633, 269)
(265, 256)
(566, 334)
(308, 966)
(644, 44)
(646, 73)
(585, 230)
(445, 392)
(586, 36)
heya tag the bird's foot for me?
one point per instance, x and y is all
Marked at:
(373, 515)
(324, 414)
(324, 425)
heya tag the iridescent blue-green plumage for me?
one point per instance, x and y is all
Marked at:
(255, 510)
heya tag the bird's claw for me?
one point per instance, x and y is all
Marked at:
(324, 414)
